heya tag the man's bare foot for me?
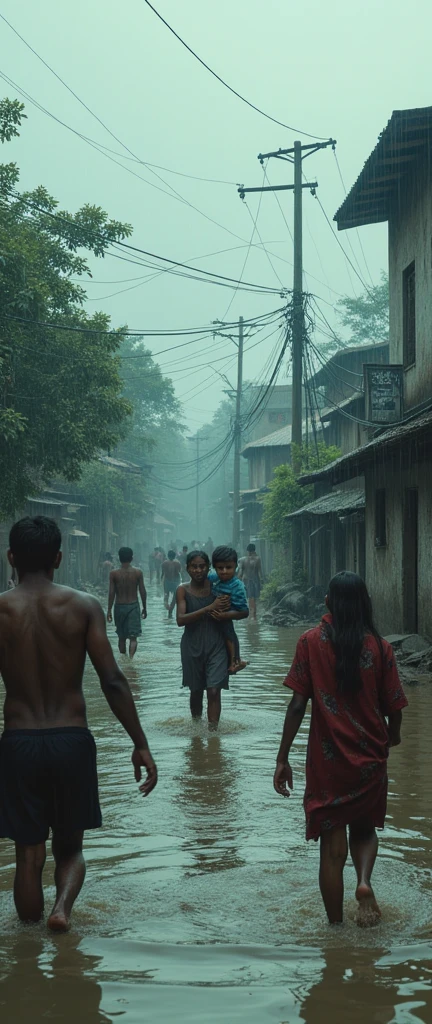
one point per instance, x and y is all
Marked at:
(58, 921)
(368, 913)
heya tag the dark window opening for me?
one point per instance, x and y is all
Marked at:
(380, 519)
(409, 316)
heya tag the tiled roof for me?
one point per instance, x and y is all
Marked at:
(336, 501)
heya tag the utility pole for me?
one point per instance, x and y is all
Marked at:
(197, 509)
(298, 317)
(197, 440)
(237, 438)
(296, 155)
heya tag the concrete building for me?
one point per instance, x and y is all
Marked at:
(395, 185)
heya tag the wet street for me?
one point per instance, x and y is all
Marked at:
(201, 904)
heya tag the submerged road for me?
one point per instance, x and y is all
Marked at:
(201, 904)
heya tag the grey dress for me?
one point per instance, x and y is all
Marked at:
(203, 652)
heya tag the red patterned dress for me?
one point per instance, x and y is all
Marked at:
(346, 766)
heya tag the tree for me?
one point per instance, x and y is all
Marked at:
(151, 395)
(285, 494)
(367, 317)
(61, 396)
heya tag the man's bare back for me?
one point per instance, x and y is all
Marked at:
(127, 581)
(48, 774)
(43, 634)
(124, 585)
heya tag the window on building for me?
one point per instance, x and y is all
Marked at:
(380, 518)
(409, 316)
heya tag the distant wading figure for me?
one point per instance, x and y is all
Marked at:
(124, 584)
(48, 777)
(171, 575)
(250, 571)
(203, 650)
(349, 673)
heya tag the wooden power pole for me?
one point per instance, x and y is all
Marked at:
(295, 156)
(237, 438)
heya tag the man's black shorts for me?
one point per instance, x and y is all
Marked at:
(48, 779)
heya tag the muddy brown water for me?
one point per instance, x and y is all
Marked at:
(201, 903)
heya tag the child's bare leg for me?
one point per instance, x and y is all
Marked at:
(363, 842)
(133, 644)
(235, 662)
(333, 854)
(230, 646)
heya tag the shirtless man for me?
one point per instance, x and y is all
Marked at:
(171, 575)
(124, 584)
(48, 773)
(250, 571)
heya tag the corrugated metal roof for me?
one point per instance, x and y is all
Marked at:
(351, 464)
(160, 521)
(336, 501)
(332, 410)
(278, 439)
(130, 467)
(406, 138)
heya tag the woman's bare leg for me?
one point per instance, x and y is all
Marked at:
(333, 854)
(214, 706)
(363, 842)
(196, 703)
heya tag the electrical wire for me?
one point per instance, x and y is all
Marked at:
(222, 81)
(354, 268)
(215, 278)
(173, 193)
(357, 230)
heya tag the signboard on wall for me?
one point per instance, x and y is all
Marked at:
(383, 386)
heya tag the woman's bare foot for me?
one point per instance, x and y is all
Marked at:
(368, 913)
(58, 921)
(237, 666)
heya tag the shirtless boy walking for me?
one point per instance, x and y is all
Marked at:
(48, 775)
(124, 584)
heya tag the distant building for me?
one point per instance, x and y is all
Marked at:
(395, 185)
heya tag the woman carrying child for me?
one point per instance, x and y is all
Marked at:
(203, 644)
(349, 673)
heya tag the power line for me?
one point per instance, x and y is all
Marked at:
(354, 268)
(216, 278)
(222, 81)
(103, 150)
(357, 230)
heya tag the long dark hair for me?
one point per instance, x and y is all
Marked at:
(352, 618)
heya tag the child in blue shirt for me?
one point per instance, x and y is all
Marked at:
(224, 580)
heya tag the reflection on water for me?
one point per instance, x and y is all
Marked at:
(201, 904)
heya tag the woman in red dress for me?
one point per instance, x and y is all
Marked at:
(349, 673)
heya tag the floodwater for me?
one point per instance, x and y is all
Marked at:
(201, 903)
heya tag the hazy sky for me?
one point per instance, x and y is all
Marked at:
(337, 69)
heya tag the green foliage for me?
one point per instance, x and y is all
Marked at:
(107, 489)
(61, 396)
(276, 579)
(367, 317)
(156, 410)
(11, 115)
(285, 494)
